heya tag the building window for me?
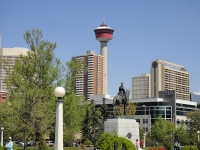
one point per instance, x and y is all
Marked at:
(145, 129)
(3, 96)
(145, 121)
(138, 120)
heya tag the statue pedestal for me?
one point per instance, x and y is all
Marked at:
(124, 126)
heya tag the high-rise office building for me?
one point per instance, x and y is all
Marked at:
(141, 86)
(169, 76)
(11, 54)
(90, 82)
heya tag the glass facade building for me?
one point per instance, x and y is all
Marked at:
(155, 111)
(195, 97)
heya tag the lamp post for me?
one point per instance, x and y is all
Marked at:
(59, 92)
(198, 132)
(2, 128)
(144, 126)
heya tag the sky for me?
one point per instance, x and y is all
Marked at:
(144, 30)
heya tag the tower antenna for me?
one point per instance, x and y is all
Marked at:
(0, 38)
(104, 18)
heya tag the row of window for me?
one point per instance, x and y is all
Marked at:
(145, 121)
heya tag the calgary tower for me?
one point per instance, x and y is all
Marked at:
(103, 35)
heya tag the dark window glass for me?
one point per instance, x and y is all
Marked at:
(138, 120)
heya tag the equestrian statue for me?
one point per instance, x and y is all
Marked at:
(121, 98)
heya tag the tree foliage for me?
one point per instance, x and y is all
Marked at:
(104, 110)
(74, 111)
(110, 141)
(30, 84)
(92, 125)
(162, 131)
(73, 71)
(141, 132)
(74, 106)
(181, 135)
(194, 124)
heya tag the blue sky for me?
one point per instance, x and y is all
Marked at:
(144, 31)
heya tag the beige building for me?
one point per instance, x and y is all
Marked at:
(169, 76)
(11, 54)
(141, 86)
(91, 82)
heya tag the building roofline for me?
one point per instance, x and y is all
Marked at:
(172, 65)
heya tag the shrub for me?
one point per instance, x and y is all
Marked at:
(108, 141)
(87, 142)
(189, 148)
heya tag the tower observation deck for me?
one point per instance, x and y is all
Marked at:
(103, 35)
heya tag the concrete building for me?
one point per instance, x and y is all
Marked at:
(103, 35)
(141, 86)
(169, 76)
(148, 110)
(195, 97)
(11, 54)
(90, 82)
(166, 106)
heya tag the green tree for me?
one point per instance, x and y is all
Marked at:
(92, 125)
(74, 106)
(30, 109)
(162, 131)
(104, 110)
(194, 125)
(181, 134)
(74, 111)
(74, 70)
(141, 132)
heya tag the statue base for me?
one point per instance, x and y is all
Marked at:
(124, 126)
(122, 117)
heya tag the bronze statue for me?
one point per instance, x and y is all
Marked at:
(122, 98)
(122, 90)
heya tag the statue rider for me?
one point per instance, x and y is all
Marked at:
(122, 91)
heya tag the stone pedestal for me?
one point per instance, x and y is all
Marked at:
(124, 126)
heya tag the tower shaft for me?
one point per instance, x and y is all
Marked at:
(103, 35)
(104, 54)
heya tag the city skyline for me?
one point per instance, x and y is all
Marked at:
(144, 31)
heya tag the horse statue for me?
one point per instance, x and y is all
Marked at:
(119, 99)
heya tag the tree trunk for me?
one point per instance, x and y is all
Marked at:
(25, 145)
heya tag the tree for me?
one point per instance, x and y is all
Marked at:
(92, 125)
(162, 131)
(181, 134)
(74, 107)
(30, 84)
(141, 132)
(74, 111)
(104, 110)
(194, 125)
(74, 69)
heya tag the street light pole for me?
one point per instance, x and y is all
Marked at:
(144, 127)
(198, 132)
(2, 128)
(59, 92)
